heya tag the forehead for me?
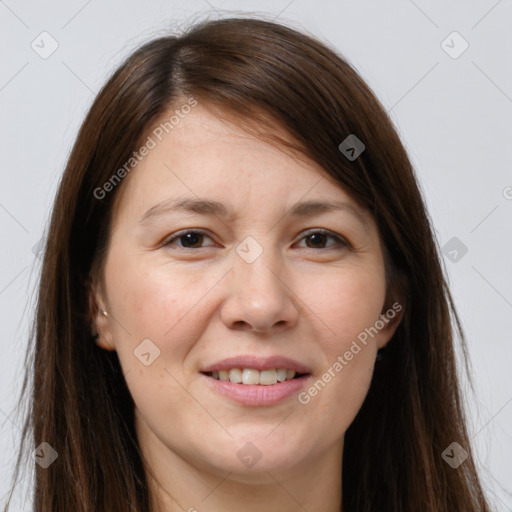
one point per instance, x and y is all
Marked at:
(206, 155)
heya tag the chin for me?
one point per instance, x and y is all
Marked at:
(258, 454)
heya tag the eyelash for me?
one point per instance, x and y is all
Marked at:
(341, 242)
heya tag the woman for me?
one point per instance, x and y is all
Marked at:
(196, 346)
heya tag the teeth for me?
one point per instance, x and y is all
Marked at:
(250, 376)
(268, 377)
(235, 375)
(281, 374)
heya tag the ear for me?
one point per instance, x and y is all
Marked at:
(392, 312)
(98, 312)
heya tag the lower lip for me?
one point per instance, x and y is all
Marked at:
(257, 395)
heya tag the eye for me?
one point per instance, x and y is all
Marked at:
(190, 239)
(318, 237)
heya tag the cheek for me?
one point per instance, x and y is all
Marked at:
(350, 309)
(353, 303)
(160, 303)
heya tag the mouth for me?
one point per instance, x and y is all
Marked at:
(253, 381)
(254, 377)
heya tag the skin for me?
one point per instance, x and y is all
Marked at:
(305, 298)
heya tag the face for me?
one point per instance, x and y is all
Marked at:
(250, 278)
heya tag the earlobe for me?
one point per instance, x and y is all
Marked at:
(390, 319)
(100, 325)
(393, 310)
(392, 313)
(103, 335)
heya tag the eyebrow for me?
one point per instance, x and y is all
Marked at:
(210, 207)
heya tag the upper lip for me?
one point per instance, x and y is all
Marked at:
(257, 363)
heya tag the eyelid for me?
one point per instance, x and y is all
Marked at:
(340, 239)
(167, 241)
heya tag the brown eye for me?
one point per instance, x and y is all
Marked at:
(317, 240)
(188, 239)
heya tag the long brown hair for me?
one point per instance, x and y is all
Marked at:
(258, 70)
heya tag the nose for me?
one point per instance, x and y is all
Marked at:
(259, 298)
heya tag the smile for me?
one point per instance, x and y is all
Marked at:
(252, 380)
(251, 376)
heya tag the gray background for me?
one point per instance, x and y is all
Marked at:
(453, 115)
